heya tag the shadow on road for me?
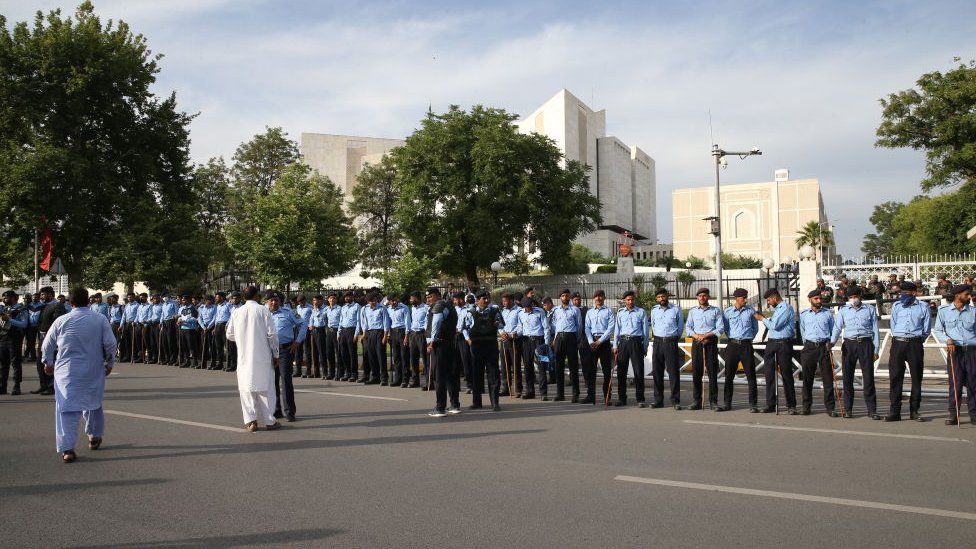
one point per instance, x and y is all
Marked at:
(239, 540)
(45, 489)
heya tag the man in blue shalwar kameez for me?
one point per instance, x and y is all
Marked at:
(79, 350)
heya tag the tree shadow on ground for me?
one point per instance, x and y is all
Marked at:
(236, 540)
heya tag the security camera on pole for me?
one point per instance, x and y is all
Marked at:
(716, 223)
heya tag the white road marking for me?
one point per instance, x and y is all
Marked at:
(176, 421)
(349, 395)
(801, 497)
(830, 431)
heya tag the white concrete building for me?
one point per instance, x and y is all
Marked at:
(759, 220)
(342, 157)
(621, 177)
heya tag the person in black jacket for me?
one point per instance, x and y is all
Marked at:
(486, 325)
(441, 339)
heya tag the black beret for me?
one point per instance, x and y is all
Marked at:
(433, 291)
(575, 295)
(348, 294)
(331, 294)
(661, 291)
(740, 292)
(960, 288)
(851, 292)
(392, 297)
(9, 293)
(526, 302)
(908, 286)
(483, 293)
(813, 293)
(458, 295)
(599, 293)
(221, 294)
(629, 293)
(547, 299)
(415, 294)
(49, 290)
(529, 289)
(772, 292)
(702, 291)
(564, 291)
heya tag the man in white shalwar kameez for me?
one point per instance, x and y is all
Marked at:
(253, 330)
(79, 350)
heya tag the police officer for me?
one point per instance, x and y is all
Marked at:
(630, 344)
(666, 327)
(152, 329)
(482, 335)
(14, 319)
(348, 326)
(910, 326)
(143, 332)
(399, 343)
(115, 314)
(441, 338)
(533, 329)
(859, 324)
(221, 318)
(128, 341)
(956, 325)
(816, 327)
(291, 332)
(567, 329)
(511, 347)
(599, 327)
(189, 327)
(463, 359)
(235, 303)
(741, 327)
(418, 342)
(587, 364)
(374, 331)
(332, 314)
(50, 309)
(208, 321)
(705, 324)
(303, 358)
(170, 344)
(778, 354)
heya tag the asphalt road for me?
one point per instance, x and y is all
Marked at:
(369, 472)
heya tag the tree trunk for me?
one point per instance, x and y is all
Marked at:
(471, 277)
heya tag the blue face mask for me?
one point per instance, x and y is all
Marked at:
(906, 299)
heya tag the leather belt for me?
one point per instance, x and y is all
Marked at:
(739, 341)
(906, 339)
(816, 341)
(666, 339)
(859, 339)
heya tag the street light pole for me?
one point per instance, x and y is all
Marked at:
(716, 220)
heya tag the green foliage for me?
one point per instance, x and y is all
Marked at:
(88, 146)
(685, 279)
(935, 225)
(815, 235)
(472, 185)
(881, 244)
(211, 195)
(407, 273)
(606, 269)
(517, 264)
(374, 201)
(696, 262)
(643, 294)
(659, 281)
(730, 261)
(936, 117)
(260, 162)
(579, 259)
(284, 240)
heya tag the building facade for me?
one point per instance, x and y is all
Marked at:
(342, 157)
(759, 220)
(622, 177)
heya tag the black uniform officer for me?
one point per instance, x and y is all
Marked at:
(486, 325)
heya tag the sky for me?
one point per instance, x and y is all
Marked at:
(800, 80)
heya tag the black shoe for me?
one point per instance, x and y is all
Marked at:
(290, 418)
(805, 412)
(545, 398)
(792, 411)
(413, 384)
(16, 390)
(833, 413)
(916, 417)
(38, 391)
(754, 410)
(94, 443)
(588, 400)
(425, 388)
(305, 376)
(372, 382)
(278, 415)
(384, 384)
(695, 407)
(574, 400)
(360, 380)
(769, 409)
(48, 391)
(713, 407)
(528, 396)
(496, 408)
(475, 407)
(893, 417)
(68, 456)
(655, 405)
(559, 399)
(848, 415)
(972, 418)
(952, 421)
(642, 404)
(677, 407)
(296, 374)
(620, 403)
(875, 416)
(722, 408)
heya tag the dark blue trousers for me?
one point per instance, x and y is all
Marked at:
(283, 385)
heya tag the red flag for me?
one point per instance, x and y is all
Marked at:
(47, 250)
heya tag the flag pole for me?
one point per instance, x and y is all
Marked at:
(36, 276)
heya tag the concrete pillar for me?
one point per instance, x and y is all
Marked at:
(809, 273)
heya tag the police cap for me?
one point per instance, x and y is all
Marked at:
(772, 292)
(629, 293)
(483, 293)
(701, 291)
(740, 292)
(813, 293)
(564, 291)
(908, 286)
(855, 291)
(661, 291)
(599, 293)
(960, 288)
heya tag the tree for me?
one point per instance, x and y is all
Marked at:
(696, 262)
(211, 194)
(407, 273)
(260, 162)
(86, 147)
(730, 261)
(374, 201)
(815, 235)
(935, 225)
(579, 259)
(473, 186)
(881, 244)
(285, 240)
(937, 118)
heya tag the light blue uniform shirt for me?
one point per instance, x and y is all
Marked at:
(185, 318)
(600, 323)
(208, 316)
(780, 326)
(631, 323)
(171, 308)
(740, 324)
(317, 318)
(399, 316)
(666, 321)
(144, 313)
(373, 319)
(418, 317)
(79, 345)
(223, 313)
(856, 323)
(911, 321)
(510, 319)
(533, 323)
(101, 308)
(816, 326)
(290, 327)
(707, 320)
(332, 315)
(959, 326)
(305, 311)
(157, 313)
(19, 317)
(115, 313)
(350, 316)
(567, 319)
